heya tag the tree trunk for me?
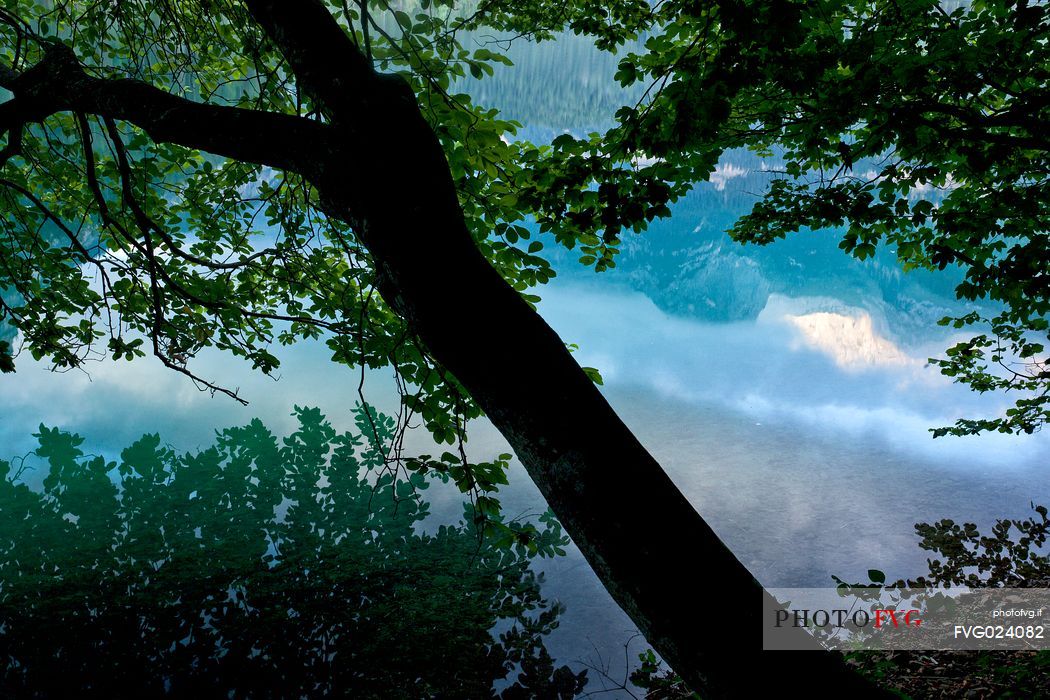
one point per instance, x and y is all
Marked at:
(690, 596)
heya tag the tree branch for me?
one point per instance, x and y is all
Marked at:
(58, 83)
(325, 60)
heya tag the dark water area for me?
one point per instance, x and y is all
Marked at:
(258, 568)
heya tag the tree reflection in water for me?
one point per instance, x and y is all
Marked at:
(258, 568)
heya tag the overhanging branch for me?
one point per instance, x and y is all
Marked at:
(59, 83)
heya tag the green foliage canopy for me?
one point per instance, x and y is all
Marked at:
(908, 123)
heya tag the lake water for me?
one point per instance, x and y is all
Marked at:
(803, 442)
(784, 389)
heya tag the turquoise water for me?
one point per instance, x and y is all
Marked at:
(785, 389)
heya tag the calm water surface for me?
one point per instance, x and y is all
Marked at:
(803, 442)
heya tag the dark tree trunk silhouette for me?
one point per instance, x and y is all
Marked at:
(378, 166)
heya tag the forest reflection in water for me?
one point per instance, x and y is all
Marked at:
(259, 567)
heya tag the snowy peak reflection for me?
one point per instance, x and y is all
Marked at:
(846, 334)
(813, 365)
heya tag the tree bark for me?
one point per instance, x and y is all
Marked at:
(377, 165)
